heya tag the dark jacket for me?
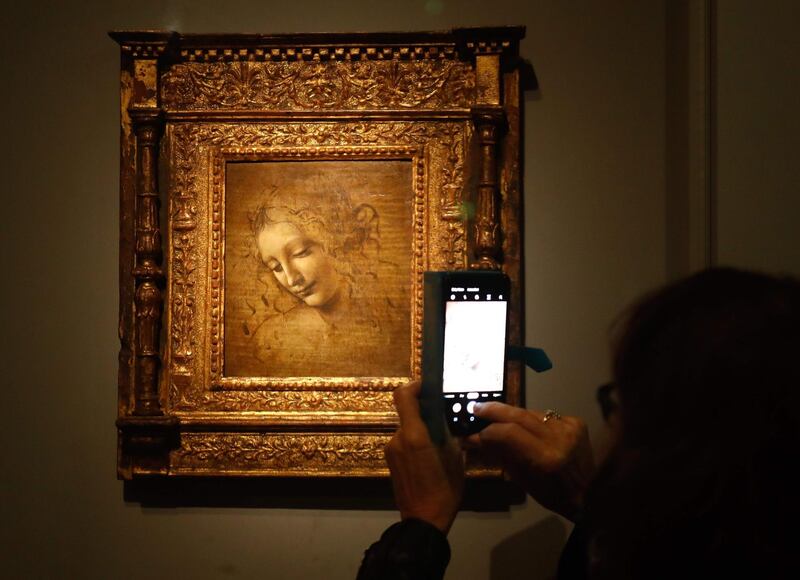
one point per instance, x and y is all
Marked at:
(416, 550)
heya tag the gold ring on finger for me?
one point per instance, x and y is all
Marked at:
(550, 414)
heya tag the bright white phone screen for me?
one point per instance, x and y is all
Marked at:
(474, 345)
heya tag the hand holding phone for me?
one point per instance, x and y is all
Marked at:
(465, 334)
(552, 460)
(428, 479)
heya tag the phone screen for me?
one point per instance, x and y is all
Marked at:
(474, 340)
(473, 365)
(474, 343)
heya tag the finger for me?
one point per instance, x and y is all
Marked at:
(452, 453)
(413, 430)
(471, 441)
(502, 413)
(414, 387)
(453, 450)
(512, 441)
(390, 453)
(406, 401)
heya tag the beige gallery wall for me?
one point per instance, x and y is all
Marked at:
(758, 135)
(594, 211)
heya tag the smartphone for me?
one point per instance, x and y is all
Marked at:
(465, 329)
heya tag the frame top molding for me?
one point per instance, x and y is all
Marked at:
(321, 46)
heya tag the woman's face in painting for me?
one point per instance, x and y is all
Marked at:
(299, 264)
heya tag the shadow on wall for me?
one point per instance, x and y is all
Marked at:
(531, 553)
(301, 493)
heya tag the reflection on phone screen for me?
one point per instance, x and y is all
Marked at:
(474, 345)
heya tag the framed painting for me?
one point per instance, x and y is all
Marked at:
(281, 197)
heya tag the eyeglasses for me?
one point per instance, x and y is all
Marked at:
(607, 397)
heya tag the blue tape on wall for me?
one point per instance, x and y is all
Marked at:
(535, 358)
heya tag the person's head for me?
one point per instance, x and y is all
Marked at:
(709, 420)
(314, 251)
(722, 340)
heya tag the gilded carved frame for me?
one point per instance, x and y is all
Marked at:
(448, 103)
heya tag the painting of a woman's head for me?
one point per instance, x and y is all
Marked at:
(300, 261)
(317, 253)
(318, 261)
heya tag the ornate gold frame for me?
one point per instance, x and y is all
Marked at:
(449, 102)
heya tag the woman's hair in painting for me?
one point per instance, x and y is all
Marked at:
(704, 478)
(349, 233)
(341, 228)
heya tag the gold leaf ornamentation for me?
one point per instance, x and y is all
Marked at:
(288, 400)
(184, 263)
(287, 453)
(332, 85)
